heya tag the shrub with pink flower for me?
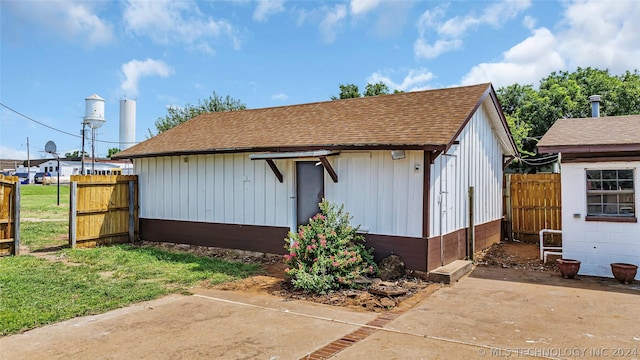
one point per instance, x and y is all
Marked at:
(336, 262)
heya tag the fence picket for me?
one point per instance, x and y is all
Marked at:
(102, 209)
(535, 204)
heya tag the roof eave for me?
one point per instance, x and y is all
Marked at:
(364, 147)
(593, 148)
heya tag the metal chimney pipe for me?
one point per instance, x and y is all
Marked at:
(595, 105)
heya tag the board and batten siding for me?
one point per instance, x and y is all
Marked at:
(596, 244)
(383, 196)
(475, 161)
(220, 188)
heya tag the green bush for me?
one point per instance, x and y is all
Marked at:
(327, 254)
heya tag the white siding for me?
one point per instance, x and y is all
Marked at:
(476, 161)
(213, 188)
(595, 243)
(384, 196)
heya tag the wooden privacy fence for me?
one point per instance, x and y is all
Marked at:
(9, 215)
(103, 210)
(533, 203)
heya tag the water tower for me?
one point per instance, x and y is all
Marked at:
(127, 123)
(94, 118)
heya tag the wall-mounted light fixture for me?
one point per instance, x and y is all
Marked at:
(397, 154)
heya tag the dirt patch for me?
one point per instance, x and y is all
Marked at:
(515, 255)
(272, 281)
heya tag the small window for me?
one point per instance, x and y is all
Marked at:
(610, 193)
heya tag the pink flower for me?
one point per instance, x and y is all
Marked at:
(309, 248)
(323, 243)
(336, 264)
(286, 270)
(293, 255)
(314, 246)
(287, 257)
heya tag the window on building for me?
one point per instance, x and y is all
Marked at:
(610, 193)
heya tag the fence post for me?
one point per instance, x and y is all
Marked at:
(16, 220)
(471, 238)
(132, 228)
(73, 198)
(509, 210)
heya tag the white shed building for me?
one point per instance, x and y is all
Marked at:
(402, 165)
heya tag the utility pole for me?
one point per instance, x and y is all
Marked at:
(84, 123)
(28, 162)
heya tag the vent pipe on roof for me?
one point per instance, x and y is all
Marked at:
(595, 105)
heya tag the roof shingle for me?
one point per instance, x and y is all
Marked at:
(598, 131)
(431, 117)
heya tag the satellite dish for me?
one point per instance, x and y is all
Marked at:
(50, 147)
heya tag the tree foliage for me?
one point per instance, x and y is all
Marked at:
(177, 115)
(350, 91)
(112, 151)
(564, 94)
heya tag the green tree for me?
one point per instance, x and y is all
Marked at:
(112, 151)
(564, 94)
(350, 91)
(379, 88)
(177, 115)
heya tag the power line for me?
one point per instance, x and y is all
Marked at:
(58, 130)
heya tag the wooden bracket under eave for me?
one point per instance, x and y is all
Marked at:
(506, 160)
(275, 169)
(327, 166)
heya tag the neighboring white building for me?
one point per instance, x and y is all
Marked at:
(402, 165)
(600, 162)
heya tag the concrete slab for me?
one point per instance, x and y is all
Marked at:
(208, 325)
(451, 272)
(494, 314)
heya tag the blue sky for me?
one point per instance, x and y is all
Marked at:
(54, 54)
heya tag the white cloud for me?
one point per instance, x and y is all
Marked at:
(414, 80)
(170, 22)
(332, 23)
(279, 96)
(363, 6)
(136, 69)
(265, 8)
(428, 51)
(73, 20)
(596, 34)
(526, 63)
(449, 33)
(12, 154)
(601, 34)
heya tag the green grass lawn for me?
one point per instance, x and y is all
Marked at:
(44, 223)
(36, 291)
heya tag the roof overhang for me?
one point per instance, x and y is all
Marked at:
(587, 148)
(293, 154)
(321, 155)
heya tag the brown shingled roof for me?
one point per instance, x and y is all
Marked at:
(606, 133)
(414, 119)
